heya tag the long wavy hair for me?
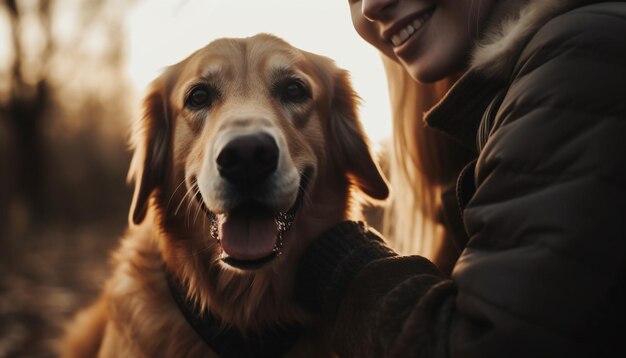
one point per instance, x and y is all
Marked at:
(422, 161)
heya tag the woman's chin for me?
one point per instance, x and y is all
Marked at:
(423, 74)
(430, 70)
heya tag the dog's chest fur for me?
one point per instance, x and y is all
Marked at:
(144, 319)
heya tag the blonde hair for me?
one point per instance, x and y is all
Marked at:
(422, 160)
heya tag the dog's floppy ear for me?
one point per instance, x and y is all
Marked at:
(349, 142)
(152, 142)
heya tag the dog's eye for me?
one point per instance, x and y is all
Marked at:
(200, 96)
(294, 91)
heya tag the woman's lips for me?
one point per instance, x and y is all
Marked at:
(411, 28)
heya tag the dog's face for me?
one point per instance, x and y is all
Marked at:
(249, 148)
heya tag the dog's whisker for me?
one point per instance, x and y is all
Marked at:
(195, 193)
(174, 193)
(306, 197)
(198, 208)
(187, 198)
(191, 193)
(182, 200)
(188, 212)
(203, 222)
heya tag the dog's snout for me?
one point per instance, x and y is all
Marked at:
(248, 159)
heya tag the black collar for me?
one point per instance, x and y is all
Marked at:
(230, 342)
(460, 111)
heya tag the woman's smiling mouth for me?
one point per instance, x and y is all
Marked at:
(401, 36)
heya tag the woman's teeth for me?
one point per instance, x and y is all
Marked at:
(404, 34)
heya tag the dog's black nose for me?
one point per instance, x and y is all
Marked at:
(248, 159)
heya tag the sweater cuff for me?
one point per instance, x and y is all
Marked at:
(330, 263)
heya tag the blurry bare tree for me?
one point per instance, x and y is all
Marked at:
(26, 104)
(64, 80)
(64, 115)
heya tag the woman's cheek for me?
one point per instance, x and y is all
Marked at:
(369, 32)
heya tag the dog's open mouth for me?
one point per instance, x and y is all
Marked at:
(251, 235)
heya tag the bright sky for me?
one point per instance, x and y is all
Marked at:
(166, 31)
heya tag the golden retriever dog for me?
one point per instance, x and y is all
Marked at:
(246, 152)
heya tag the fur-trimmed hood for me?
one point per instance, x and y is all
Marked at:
(496, 54)
(498, 50)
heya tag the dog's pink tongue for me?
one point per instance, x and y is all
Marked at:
(248, 234)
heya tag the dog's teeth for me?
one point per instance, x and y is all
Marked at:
(214, 230)
(284, 220)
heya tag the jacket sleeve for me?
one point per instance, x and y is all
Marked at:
(371, 294)
(543, 273)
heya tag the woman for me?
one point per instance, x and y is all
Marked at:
(538, 101)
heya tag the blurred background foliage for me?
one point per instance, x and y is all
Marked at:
(65, 111)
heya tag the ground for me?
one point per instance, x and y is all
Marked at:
(46, 275)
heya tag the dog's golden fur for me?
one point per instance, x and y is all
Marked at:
(136, 315)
